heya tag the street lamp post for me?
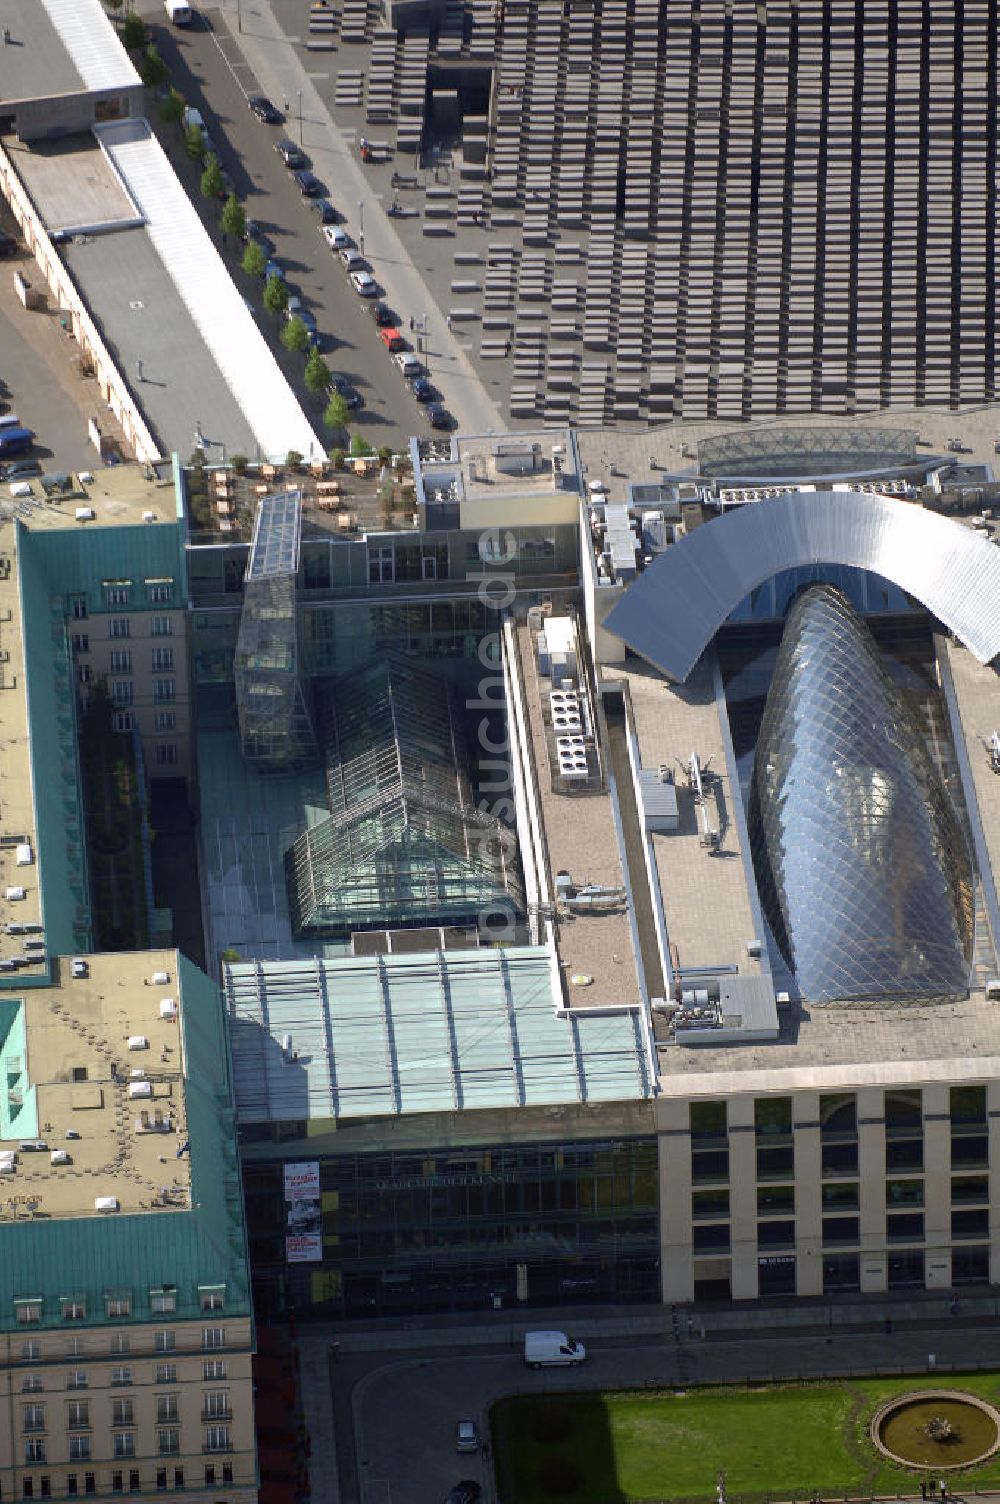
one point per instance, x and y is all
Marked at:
(298, 93)
(361, 226)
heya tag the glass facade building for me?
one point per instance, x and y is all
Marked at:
(861, 861)
(453, 1228)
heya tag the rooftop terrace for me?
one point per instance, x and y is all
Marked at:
(100, 1066)
(118, 496)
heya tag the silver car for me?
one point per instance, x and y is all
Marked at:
(466, 1436)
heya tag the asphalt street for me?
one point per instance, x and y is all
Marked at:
(382, 1417)
(201, 60)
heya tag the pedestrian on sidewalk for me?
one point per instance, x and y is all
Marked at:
(448, 321)
(923, 1488)
(412, 324)
(953, 1306)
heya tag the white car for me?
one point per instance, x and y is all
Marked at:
(336, 238)
(466, 1436)
(364, 284)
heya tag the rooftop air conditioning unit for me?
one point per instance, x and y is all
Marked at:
(85, 514)
(168, 1008)
(160, 978)
(140, 1089)
(138, 1042)
(15, 895)
(106, 1204)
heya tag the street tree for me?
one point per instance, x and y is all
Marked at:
(295, 336)
(172, 108)
(317, 373)
(254, 259)
(133, 31)
(194, 141)
(360, 446)
(276, 294)
(211, 179)
(234, 218)
(153, 69)
(337, 413)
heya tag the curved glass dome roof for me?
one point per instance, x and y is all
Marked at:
(861, 862)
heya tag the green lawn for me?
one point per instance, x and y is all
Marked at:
(784, 1440)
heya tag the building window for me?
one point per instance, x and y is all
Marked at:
(78, 1414)
(33, 1418)
(124, 1443)
(166, 754)
(178, 1477)
(72, 1487)
(121, 1376)
(975, 1224)
(213, 1336)
(74, 1347)
(121, 660)
(214, 1368)
(840, 1230)
(165, 720)
(162, 626)
(74, 1310)
(379, 565)
(227, 1472)
(164, 1342)
(27, 1488)
(117, 595)
(163, 658)
(134, 1485)
(46, 1483)
(90, 1483)
(160, 594)
(966, 1188)
(83, 674)
(119, 1343)
(121, 691)
(34, 1449)
(162, 1302)
(79, 1448)
(81, 642)
(217, 1439)
(79, 608)
(166, 1373)
(117, 1481)
(709, 1206)
(210, 1475)
(904, 1227)
(77, 1379)
(31, 1352)
(122, 720)
(161, 1478)
(215, 1404)
(166, 1409)
(122, 1414)
(32, 1383)
(213, 1300)
(27, 1311)
(169, 1442)
(120, 626)
(164, 689)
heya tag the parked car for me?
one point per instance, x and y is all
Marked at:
(15, 440)
(409, 364)
(19, 469)
(265, 111)
(383, 315)
(344, 388)
(309, 184)
(352, 258)
(274, 269)
(466, 1492)
(466, 1436)
(290, 154)
(253, 231)
(439, 415)
(327, 213)
(364, 284)
(422, 389)
(296, 309)
(392, 339)
(336, 238)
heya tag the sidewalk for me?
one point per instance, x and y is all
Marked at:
(282, 75)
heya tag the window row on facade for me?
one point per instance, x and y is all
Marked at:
(120, 1481)
(118, 1305)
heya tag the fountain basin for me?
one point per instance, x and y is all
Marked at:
(899, 1429)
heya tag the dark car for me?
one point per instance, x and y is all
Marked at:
(422, 389)
(309, 184)
(466, 1492)
(8, 245)
(15, 440)
(254, 232)
(343, 388)
(274, 269)
(439, 415)
(290, 154)
(383, 315)
(325, 211)
(19, 469)
(265, 111)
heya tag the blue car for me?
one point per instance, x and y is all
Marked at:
(15, 440)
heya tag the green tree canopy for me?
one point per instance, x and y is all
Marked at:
(211, 179)
(234, 218)
(153, 69)
(133, 31)
(317, 373)
(337, 413)
(194, 141)
(360, 446)
(254, 259)
(276, 294)
(295, 336)
(172, 108)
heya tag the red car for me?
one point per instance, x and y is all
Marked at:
(392, 339)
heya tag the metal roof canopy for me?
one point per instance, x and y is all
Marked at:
(380, 1036)
(672, 612)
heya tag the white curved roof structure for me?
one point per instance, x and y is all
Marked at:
(672, 612)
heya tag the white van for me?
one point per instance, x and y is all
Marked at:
(10, 421)
(179, 13)
(408, 364)
(552, 1350)
(193, 117)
